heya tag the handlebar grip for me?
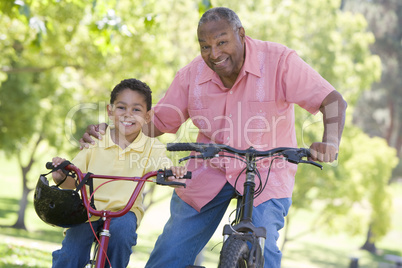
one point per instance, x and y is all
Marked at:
(163, 174)
(168, 173)
(49, 165)
(184, 146)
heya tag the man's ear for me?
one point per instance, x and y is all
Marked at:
(242, 33)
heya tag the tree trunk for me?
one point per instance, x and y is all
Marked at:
(398, 145)
(369, 245)
(390, 130)
(20, 223)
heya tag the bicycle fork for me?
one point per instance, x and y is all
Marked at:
(244, 228)
(101, 254)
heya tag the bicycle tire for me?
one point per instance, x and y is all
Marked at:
(234, 254)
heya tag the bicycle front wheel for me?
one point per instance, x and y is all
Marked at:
(234, 254)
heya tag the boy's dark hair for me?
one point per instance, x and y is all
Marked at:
(135, 85)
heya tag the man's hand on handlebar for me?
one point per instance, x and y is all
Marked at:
(95, 131)
(323, 152)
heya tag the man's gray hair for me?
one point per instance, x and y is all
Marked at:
(221, 13)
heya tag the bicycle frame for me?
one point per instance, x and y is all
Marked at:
(242, 228)
(107, 215)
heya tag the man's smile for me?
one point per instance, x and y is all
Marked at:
(220, 62)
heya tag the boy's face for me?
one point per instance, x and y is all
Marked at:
(129, 113)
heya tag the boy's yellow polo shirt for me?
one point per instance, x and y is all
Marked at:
(143, 155)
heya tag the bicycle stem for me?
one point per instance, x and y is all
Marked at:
(249, 186)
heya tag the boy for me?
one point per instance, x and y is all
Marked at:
(124, 151)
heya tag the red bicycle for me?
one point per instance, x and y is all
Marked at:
(65, 207)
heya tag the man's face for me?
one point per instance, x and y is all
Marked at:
(222, 49)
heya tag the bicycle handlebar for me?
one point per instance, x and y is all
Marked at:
(161, 176)
(49, 165)
(210, 150)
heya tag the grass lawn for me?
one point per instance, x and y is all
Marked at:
(32, 248)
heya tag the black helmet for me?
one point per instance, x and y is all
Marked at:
(58, 207)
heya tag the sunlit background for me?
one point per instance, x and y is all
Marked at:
(60, 59)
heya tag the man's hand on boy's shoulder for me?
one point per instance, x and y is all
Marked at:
(95, 131)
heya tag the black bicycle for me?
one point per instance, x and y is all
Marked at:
(243, 243)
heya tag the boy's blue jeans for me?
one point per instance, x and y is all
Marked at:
(187, 231)
(76, 246)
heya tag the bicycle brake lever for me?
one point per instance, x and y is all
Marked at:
(186, 158)
(191, 157)
(311, 163)
(206, 153)
(295, 158)
(162, 175)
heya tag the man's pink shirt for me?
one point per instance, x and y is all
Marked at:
(257, 111)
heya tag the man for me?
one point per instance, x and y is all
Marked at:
(240, 92)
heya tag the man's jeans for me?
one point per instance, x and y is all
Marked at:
(76, 246)
(187, 231)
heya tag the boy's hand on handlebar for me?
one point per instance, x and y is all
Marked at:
(178, 173)
(95, 131)
(323, 152)
(58, 175)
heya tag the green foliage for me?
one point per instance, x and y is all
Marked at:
(203, 6)
(354, 191)
(60, 60)
(379, 111)
(60, 54)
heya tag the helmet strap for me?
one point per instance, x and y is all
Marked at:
(62, 181)
(61, 167)
(88, 181)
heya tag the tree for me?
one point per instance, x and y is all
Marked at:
(382, 116)
(61, 58)
(378, 111)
